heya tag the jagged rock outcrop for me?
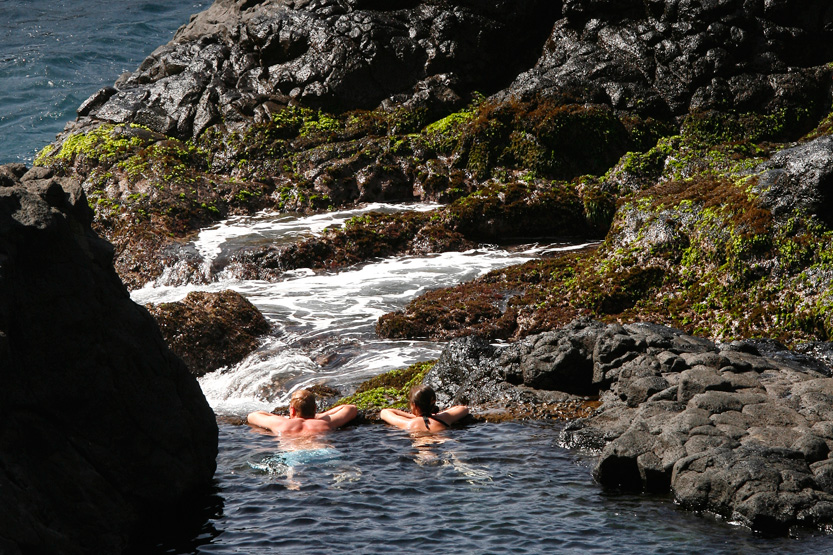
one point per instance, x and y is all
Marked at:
(240, 59)
(275, 96)
(742, 430)
(210, 330)
(670, 57)
(100, 424)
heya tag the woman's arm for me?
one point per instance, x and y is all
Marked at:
(396, 417)
(453, 414)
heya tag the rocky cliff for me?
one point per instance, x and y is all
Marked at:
(298, 105)
(102, 426)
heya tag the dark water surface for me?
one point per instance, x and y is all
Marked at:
(56, 53)
(485, 488)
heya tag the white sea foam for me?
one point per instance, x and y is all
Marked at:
(324, 322)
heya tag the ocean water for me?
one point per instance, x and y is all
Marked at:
(54, 54)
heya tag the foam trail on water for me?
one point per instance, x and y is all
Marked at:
(269, 227)
(324, 323)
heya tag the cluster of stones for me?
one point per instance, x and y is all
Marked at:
(743, 430)
(726, 429)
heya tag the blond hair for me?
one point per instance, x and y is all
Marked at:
(303, 402)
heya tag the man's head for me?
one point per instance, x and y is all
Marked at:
(302, 404)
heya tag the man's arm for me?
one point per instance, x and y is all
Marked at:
(338, 416)
(265, 419)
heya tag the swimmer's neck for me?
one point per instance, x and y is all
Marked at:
(293, 414)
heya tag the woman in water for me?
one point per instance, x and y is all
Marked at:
(424, 415)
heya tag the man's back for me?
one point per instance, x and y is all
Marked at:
(300, 426)
(296, 425)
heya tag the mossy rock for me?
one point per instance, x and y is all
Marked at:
(550, 138)
(692, 246)
(388, 390)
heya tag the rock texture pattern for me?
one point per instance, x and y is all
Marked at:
(665, 57)
(240, 59)
(210, 330)
(742, 430)
(100, 423)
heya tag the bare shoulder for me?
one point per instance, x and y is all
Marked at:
(453, 414)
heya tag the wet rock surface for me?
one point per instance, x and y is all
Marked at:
(739, 429)
(310, 106)
(210, 330)
(231, 61)
(661, 58)
(670, 57)
(102, 426)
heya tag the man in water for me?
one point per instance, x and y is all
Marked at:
(303, 419)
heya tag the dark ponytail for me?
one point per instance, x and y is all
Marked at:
(424, 400)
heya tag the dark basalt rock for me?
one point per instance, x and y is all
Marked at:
(668, 58)
(102, 426)
(658, 58)
(799, 179)
(210, 330)
(738, 433)
(337, 54)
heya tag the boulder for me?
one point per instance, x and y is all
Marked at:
(210, 330)
(102, 426)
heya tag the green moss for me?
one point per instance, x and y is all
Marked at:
(105, 142)
(718, 127)
(546, 137)
(388, 390)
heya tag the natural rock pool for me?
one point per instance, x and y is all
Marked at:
(483, 488)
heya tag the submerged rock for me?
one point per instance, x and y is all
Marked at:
(210, 330)
(101, 426)
(724, 428)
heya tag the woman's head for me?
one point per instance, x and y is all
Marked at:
(423, 400)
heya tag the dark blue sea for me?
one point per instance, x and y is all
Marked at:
(56, 53)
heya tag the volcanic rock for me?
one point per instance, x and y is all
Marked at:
(102, 425)
(210, 330)
(746, 436)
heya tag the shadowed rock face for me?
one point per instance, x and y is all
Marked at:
(99, 422)
(659, 58)
(671, 57)
(743, 430)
